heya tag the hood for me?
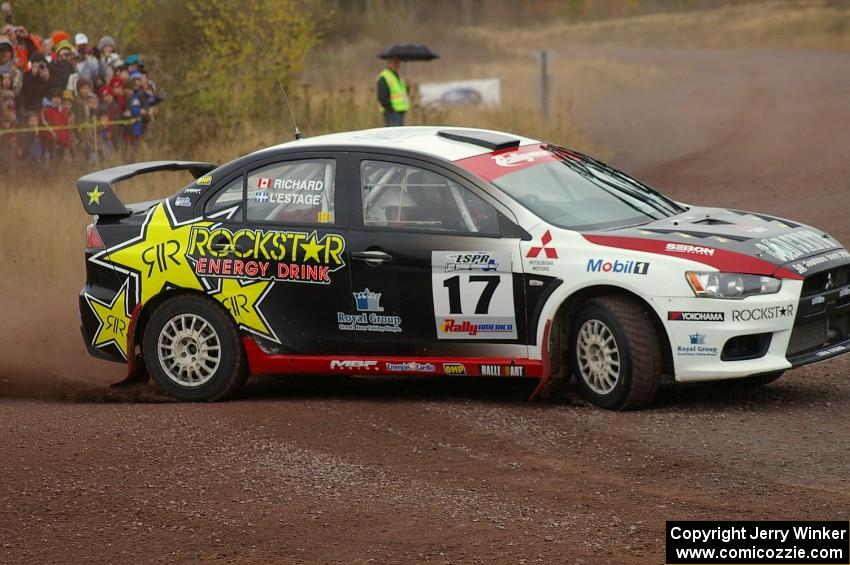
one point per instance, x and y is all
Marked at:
(734, 241)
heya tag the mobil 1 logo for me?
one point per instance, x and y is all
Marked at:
(473, 294)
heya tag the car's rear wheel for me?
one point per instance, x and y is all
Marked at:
(615, 353)
(192, 349)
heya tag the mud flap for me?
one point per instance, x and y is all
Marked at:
(137, 374)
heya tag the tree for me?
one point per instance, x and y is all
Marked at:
(245, 47)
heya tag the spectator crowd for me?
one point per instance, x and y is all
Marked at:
(62, 97)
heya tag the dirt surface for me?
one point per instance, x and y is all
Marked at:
(400, 470)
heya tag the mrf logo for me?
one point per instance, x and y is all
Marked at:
(354, 364)
(623, 267)
(158, 256)
(550, 252)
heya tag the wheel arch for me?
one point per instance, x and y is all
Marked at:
(571, 304)
(151, 305)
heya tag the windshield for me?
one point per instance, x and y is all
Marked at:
(576, 192)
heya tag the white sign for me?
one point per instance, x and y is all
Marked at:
(473, 295)
(482, 92)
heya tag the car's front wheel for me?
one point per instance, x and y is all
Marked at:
(192, 349)
(615, 353)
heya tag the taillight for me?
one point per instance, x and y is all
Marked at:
(93, 240)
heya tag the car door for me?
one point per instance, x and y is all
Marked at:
(279, 257)
(434, 269)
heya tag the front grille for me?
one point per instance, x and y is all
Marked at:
(823, 314)
(826, 280)
(808, 335)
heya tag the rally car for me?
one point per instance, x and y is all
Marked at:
(448, 251)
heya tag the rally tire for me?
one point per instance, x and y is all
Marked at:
(203, 330)
(614, 336)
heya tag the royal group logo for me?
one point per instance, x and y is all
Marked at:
(454, 368)
(696, 316)
(502, 371)
(367, 301)
(368, 304)
(617, 266)
(267, 254)
(697, 347)
(764, 313)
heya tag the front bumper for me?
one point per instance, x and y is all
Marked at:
(806, 322)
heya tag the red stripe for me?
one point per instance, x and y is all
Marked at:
(493, 165)
(262, 363)
(722, 260)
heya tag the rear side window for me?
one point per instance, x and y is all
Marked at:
(293, 192)
(409, 198)
(228, 197)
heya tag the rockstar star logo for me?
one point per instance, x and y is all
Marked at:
(113, 320)
(94, 196)
(158, 255)
(243, 301)
(311, 249)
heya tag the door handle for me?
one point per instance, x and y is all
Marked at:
(373, 258)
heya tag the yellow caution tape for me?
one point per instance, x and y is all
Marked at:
(87, 125)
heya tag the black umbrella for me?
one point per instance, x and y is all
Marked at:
(408, 52)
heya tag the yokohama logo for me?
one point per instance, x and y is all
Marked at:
(550, 252)
(696, 316)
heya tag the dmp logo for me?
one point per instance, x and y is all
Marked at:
(159, 255)
(454, 369)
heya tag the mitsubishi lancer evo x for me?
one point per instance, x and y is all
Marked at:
(447, 251)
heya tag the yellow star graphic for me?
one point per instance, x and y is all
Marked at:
(94, 196)
(160, 256)
(312, 248)
(243, 303)
(113, 320)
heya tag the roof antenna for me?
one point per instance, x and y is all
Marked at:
(285, 97)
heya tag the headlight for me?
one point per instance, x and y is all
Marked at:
(731, 285)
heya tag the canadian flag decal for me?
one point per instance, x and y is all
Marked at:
(550, 252)
(263, 182)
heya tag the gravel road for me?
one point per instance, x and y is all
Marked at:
(400, 470)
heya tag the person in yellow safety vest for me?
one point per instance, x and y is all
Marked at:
(392, 94)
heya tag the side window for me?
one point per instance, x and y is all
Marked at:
(300, 192)
(227, 197)
(403, 197)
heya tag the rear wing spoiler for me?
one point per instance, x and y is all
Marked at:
(98, 197)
